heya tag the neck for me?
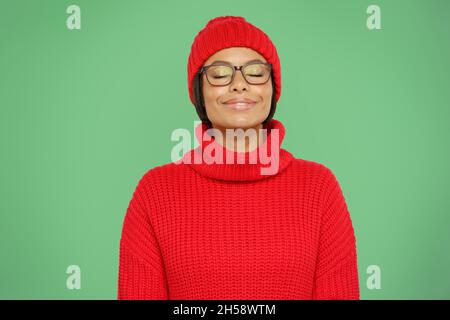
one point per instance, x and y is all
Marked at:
(212, 160)
(239, 139)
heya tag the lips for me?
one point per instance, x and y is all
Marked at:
(240, 104)
(240, 100)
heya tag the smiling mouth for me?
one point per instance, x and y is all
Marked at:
(240, 106)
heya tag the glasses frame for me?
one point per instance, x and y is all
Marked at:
(235, 68)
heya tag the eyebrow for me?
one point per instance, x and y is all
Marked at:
(228, 62)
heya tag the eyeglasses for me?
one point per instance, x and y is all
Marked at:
(222, 74)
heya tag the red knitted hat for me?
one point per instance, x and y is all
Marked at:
(231, 31)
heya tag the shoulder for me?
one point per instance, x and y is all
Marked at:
(164, 174)
(311, 167)
(315, 172)
(323, 180)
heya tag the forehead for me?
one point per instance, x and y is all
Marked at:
(235, 55)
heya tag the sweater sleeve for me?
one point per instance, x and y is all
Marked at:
(141, 269)
(336, 276)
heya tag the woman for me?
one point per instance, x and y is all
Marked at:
(223, 228)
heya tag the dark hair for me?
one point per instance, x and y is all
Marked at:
(200, 107)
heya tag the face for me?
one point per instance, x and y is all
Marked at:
(220, 109)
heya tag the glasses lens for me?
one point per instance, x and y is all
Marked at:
(257, 73)
(219, 75)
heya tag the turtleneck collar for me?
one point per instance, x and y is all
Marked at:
(213, 160)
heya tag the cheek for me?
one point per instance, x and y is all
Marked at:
(266, 93)
(212, 95)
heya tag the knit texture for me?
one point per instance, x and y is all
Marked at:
(231, 31)
(211, 231)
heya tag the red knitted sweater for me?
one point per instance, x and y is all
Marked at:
(225, 231)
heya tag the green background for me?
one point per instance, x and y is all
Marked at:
(85, 113)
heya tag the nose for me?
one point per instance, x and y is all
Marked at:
(239, 84)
